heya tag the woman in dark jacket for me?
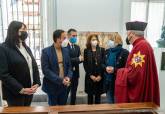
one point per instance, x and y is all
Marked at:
(93, 60)
(115, 58)
(18, 68)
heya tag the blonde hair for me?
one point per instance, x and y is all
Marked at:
(116, 38)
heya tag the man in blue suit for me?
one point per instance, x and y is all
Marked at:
(56, 67)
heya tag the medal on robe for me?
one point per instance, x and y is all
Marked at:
(138, 59)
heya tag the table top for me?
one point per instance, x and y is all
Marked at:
(79, 108)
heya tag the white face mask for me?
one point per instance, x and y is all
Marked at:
(65, 43)
(94, 43)
(111, 44)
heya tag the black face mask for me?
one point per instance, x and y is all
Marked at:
(127, 41)
(23, 35)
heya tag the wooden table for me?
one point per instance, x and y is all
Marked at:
(124, 108)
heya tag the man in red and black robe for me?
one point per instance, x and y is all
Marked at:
(138, 81)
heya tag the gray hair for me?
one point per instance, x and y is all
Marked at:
(138, 33)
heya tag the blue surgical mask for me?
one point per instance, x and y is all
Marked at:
(73, 40)
(111, 44)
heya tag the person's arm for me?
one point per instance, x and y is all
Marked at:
(104, 54)
(102, 66)
(5, 76)
(125, 56)
(77, 60)
(85, 63)
(36, 77)
(70, 73)
(136, 67)
(36, 74)
(47, 71)
(123, 60)
(130, 76)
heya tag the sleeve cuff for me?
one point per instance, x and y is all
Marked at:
(22, 90)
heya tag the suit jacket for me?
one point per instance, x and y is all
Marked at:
(52, 83)
(14, 71)
(75, 61)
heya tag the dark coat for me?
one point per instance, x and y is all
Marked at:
(120, 61)
(75, 61)
(14, 71)
(52, 83)
(90, 86)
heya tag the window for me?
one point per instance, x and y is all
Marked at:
(153, 12)
(28, 12)
(138, 11)
(155, 22)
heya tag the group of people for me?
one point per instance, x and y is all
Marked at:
(123, 76)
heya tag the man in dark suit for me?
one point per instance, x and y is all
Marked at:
(56, 67)
(76, 58)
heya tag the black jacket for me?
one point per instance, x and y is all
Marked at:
(14, 71)
(90, 86)
(75, 61)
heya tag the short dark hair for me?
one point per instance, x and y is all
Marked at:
(57, 34)
(12, 38)
(71, 30)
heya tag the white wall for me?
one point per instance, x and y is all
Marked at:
(84, 15)
(89, 15)
(161, 75)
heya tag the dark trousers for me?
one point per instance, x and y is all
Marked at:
(109, 87)
(73, 90)
(97, 98)
(24, 100)
(57, 99)
(110, 96)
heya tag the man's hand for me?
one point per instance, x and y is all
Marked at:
(66, 81)
(28, 91)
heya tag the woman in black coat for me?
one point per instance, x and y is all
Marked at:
(18, 69)
(93, 60)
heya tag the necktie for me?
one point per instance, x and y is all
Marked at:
(72, 46)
